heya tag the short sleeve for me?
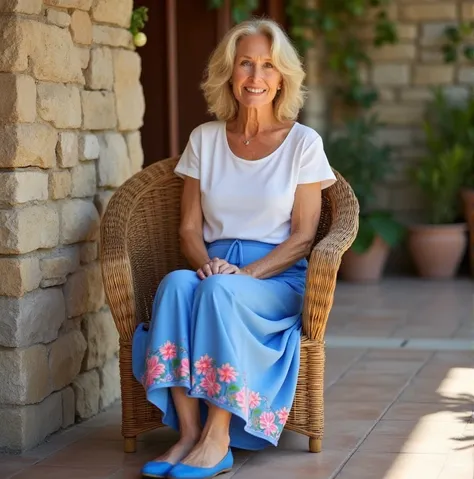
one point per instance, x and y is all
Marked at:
(314, 165)
(189, 164)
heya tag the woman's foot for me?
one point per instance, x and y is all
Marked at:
(179, 451)
(208, 452)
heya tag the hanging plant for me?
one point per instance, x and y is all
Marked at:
(459, 39)
(137, 24)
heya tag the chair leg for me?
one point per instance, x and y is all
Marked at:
(315, 445)
(130, 444)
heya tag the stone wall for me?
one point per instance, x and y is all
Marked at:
(405, 73)
(71, 105)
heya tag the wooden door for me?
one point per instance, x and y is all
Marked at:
(181, 36)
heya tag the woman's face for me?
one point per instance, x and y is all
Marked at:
(255, 79)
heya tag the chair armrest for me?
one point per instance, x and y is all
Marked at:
(326, 258)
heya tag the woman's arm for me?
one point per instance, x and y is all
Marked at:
(304, 224)
(190, 231)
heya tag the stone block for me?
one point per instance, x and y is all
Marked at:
(69, 407)
(83, 180)
(27, 145)
(49, 283)
(102, 339)
(79, 4)
(20, 233)
(117, 12)
(52, 54)
(30, 7)
(429, 12)
(109, 383)
(433, 74)
(89, 148)
(68, 149)
(112, 36)
(387, 94)
(65, 358)
(59, 184)
(84, 291)
(81, 27)
(34, 318)
(431, 55)
(101, 201)
(19, 275)
(467, 10)
(135, 151)
(89, 252)
(114, 164)
(27, 426)
(391, 74)
(58, 17)
(79, 221)
(87, 391)
(417, 94)
(18, 187)
(399, 137)
(60, 262)
(13, 54)
(100, 73)
(84, 54)
(400, 114)
(24, 375)
(128, 90)
(18, 99)
(99, 110)
(390, 53)
(432, 34)
(60, 104)
(466, 75)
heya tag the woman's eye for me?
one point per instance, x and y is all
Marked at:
(245, 63)
(268, 65)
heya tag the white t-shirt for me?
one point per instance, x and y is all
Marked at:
(251, 200)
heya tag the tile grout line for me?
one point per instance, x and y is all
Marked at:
(354, 361)
(359, 443)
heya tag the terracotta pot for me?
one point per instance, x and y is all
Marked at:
(437, 250)
(367, 266)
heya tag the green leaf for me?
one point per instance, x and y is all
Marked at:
(215, 3)
(233, 388)
(365, 236)
(175, 363)
(453, 34)
(449, 53)
(385, 226)
(469, 52)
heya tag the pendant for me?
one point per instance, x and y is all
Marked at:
(246, 142)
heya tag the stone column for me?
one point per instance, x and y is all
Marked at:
(71, 105)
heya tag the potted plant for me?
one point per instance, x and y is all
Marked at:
(365, 164)
(437, 247)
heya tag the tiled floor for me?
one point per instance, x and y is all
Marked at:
(398, 401)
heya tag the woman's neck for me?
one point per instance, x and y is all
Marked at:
(252, 121)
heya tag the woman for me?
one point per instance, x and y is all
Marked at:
(222, 350)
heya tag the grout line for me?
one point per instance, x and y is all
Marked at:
(359, 443)
(355, 360)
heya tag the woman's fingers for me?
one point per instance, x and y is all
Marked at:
(229, 269)
(206, 269)
(200, 273)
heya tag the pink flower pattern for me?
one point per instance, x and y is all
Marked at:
(171, 363)
(168, 350)
(227, 374)
(267, 423)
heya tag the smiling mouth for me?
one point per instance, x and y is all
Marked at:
(255, 91)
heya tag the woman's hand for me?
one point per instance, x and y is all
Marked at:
(212, 267)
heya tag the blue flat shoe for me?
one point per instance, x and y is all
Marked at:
(156, 469)
(184, 471)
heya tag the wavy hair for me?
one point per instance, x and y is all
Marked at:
(217, 91)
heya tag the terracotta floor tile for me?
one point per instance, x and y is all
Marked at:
(439, 390)
(349, 393)
(413, 437)
(358, 378)
(275, 463)
(413, 411)
(10, 467)
(52, 472)
(388, 366)
(397, 354)
(366, 465)
(362, 411)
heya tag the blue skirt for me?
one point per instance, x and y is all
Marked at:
(230, 340)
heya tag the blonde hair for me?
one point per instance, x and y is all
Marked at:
(219, 96)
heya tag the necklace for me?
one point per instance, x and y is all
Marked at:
(246, 142)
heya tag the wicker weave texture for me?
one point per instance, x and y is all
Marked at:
(140, 245)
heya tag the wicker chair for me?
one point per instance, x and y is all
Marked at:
(140, 245)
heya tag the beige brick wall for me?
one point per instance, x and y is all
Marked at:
(404, 74)
(71, 105)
